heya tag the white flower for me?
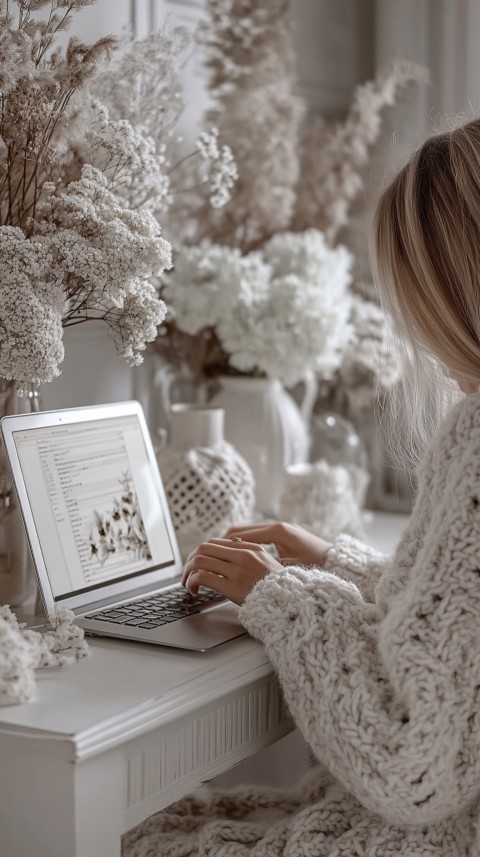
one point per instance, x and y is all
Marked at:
(31, 306)
(135, 139)
(92, 248)
(100, 243)
(282, 312)
(142, 313)
(250, 57)
(98, 247)
(301, 322)
(290, 331)
(332, 157)
(89, 257)
(371, 353)
(204, 285)
(207, 144)
(223, 171)
(135, 170)
(307, 255)
(222, 177)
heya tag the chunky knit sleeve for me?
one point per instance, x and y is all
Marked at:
(352, 560)
(390, 701)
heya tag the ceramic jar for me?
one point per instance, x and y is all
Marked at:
(268, 428)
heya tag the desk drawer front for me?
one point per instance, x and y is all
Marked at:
(200, 747)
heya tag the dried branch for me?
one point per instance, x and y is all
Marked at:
(333, 157)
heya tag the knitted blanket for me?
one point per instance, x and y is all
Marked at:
(379, 661)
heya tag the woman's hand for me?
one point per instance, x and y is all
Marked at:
(230, 566)
(294, 544)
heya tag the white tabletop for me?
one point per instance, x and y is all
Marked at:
(383, 529)
(124, 685)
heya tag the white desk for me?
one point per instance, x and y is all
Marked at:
(123, 734)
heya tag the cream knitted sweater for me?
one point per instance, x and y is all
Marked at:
(380, 666)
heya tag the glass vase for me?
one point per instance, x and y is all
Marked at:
(18, 585)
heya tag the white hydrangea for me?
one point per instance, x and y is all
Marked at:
(371, 354)
(31, 306)
(293, 329)
(205, 284)
(281, 312)
(307, 255)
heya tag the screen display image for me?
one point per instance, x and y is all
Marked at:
(95, 502)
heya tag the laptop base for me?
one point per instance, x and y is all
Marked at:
(197, 633)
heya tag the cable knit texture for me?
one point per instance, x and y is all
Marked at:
(23, 650)
(379, 662)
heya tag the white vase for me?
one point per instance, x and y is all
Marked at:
(269, 430)
(92, 372)
(193, 426)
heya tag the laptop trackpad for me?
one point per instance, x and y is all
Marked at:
(204, 630)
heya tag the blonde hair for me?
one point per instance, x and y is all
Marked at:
(426, 260)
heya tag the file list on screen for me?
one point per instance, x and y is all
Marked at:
(94, 501)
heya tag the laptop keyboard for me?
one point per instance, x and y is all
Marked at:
(158, 609)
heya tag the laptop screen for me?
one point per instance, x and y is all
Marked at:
(94, 501)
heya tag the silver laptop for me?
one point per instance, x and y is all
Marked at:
(100, 530)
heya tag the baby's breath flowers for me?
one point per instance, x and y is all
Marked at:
(105, 255)
(71, 249)
(223, 169)
(85, 177)
(31, 308)
(142, 87)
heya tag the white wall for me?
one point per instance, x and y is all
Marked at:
(341, 42)
(334, 46)
(104, 18)
(445, 36)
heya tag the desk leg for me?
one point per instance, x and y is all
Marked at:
(99, 804)
(51, 805)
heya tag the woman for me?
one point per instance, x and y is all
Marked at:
(379, 659)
